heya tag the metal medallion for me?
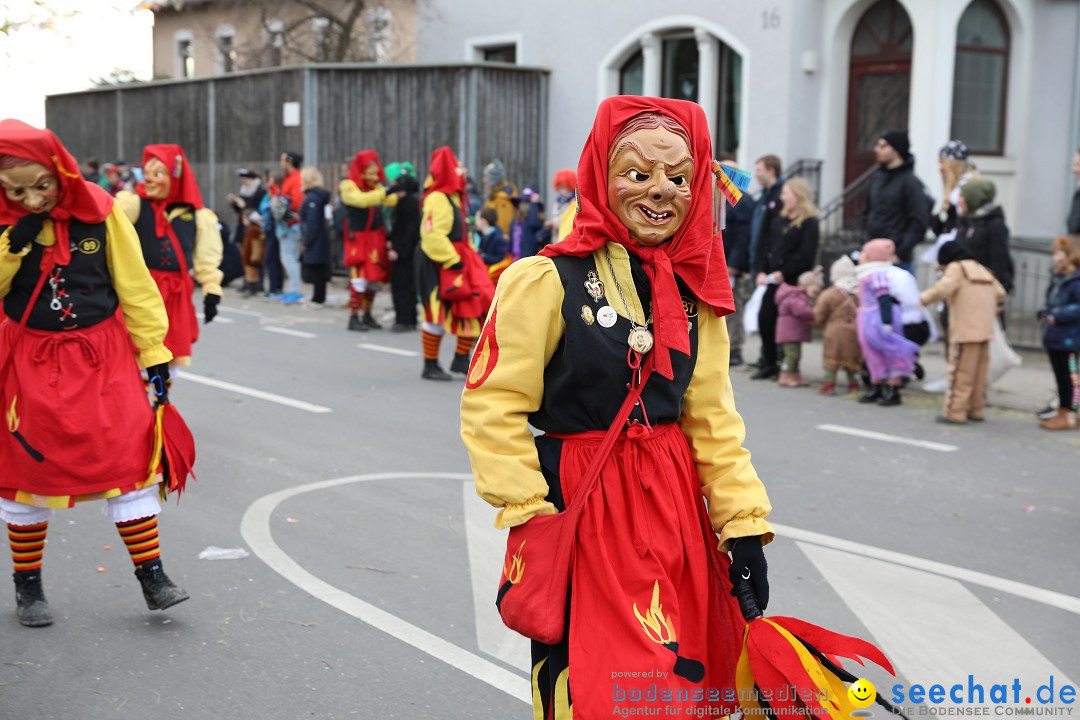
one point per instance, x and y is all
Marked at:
(640, 340)
(594, 286)
(587, 315)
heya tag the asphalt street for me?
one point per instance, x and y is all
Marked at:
(369, 587)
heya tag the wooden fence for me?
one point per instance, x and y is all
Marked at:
(482, 110)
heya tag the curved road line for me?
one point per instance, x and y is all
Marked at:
(255, 528)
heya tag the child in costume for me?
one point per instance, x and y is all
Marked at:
(499, 194)
(78, 424)
(836, 312)
(178, 236)
(562, 222)
(890, 357)
(1061, 331)
(795, 304)
(973, 295)
(494, 249)
(364, 195)
(453, 281)
(650, 582)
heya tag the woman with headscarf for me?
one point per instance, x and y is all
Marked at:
(650, 583)
(363, 194)
(179, 238)
(455, 289)
(78, 423)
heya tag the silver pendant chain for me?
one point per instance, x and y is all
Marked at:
(640, 339)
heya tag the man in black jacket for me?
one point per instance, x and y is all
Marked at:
(736, 236)
(1073, 221)
(403, 237)
(897, 206)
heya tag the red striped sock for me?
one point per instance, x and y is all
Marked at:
(369, 300)
(141, 538)
(431, 345)
(27, 545)
(464, 345)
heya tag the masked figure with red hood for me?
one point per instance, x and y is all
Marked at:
(180, 239)
(453, 281)
(364, 195)
(77, 421)
(632, 300)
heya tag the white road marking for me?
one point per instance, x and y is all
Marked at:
(487, 547)
(217, 319)
(255, 529)
(390, 350)
(252, 392)
(1023, 590)
(239, 311)
(935, 629)
(287, 331)
(885, 437)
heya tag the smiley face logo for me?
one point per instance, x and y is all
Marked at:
(89, 246)
(862, 693)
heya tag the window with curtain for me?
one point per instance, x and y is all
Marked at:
(632, 75)
(981, 78)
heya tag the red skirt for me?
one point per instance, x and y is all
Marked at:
(652, 621)
(77, 418)
(366, 250)
(176, 290)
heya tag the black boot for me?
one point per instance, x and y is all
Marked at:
(159, 591)
(32, 608)
(736, 358)
(355, 324)
(432, 371)
(872, 395)
(460, 363)
(369, 322)
(766, 372)
(890, 397)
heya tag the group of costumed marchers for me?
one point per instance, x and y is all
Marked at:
(613, 344)
(82, 315)
(451, 277)
(363, 193)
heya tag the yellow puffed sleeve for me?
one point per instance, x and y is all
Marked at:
(130, 203)
(140, 300)
(391, 200)
(506, 384)
(351, 195)
(738, 503)
(208, 250)
(437, 219)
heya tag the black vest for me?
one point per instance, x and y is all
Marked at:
(77, 295)
(358, 218)
(585, 381)
(158, 251)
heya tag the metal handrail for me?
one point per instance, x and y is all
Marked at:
(841, 200)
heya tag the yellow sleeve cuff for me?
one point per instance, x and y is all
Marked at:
(516, 514)
(745, 527)
(155, 356)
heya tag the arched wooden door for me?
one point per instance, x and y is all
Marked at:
(880, 82)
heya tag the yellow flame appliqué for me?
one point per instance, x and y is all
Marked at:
(654, 623)
(514, 568)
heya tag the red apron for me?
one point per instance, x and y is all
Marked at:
(366, 250)
(77, 420)
(176, 289)
(651, 613)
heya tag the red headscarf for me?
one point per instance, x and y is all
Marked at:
(360, 163)
(445, 176)
(183, 190)
(694, 253)
(79, 199)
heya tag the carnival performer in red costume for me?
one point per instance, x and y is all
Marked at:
(453, 281)
(180, 239)
(633, 300)
(363, 194)
(77, 420)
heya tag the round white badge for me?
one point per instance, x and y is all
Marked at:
(606, 316)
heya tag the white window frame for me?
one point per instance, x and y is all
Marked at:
(475, 46)
(180, 36)
(272, 28)
(224, 31)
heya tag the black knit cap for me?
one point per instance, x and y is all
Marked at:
(899, 141)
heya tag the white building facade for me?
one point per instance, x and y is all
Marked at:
(810, 79)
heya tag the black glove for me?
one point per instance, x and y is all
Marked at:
(159, 381)
(210, 303)
(749, 576)
(25, 231)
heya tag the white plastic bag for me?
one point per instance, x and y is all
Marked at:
(218, 553)
(1002, 356)
(751, 310)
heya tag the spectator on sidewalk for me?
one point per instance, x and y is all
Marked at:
(897, 206)
(404, 236)
(795, 310)
(272, 260)
(493, 246)
(835, 312)
(956, 169)
(973, 296)
(1072, 222)
(1061, 331)
(526, 231)
(767, 209)
(286, 210)
(253, 253)
(247, 201)
(787, 249)
(562, 217)
(498, 194)
(315, 239)
(982, 230)
(736, 234)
